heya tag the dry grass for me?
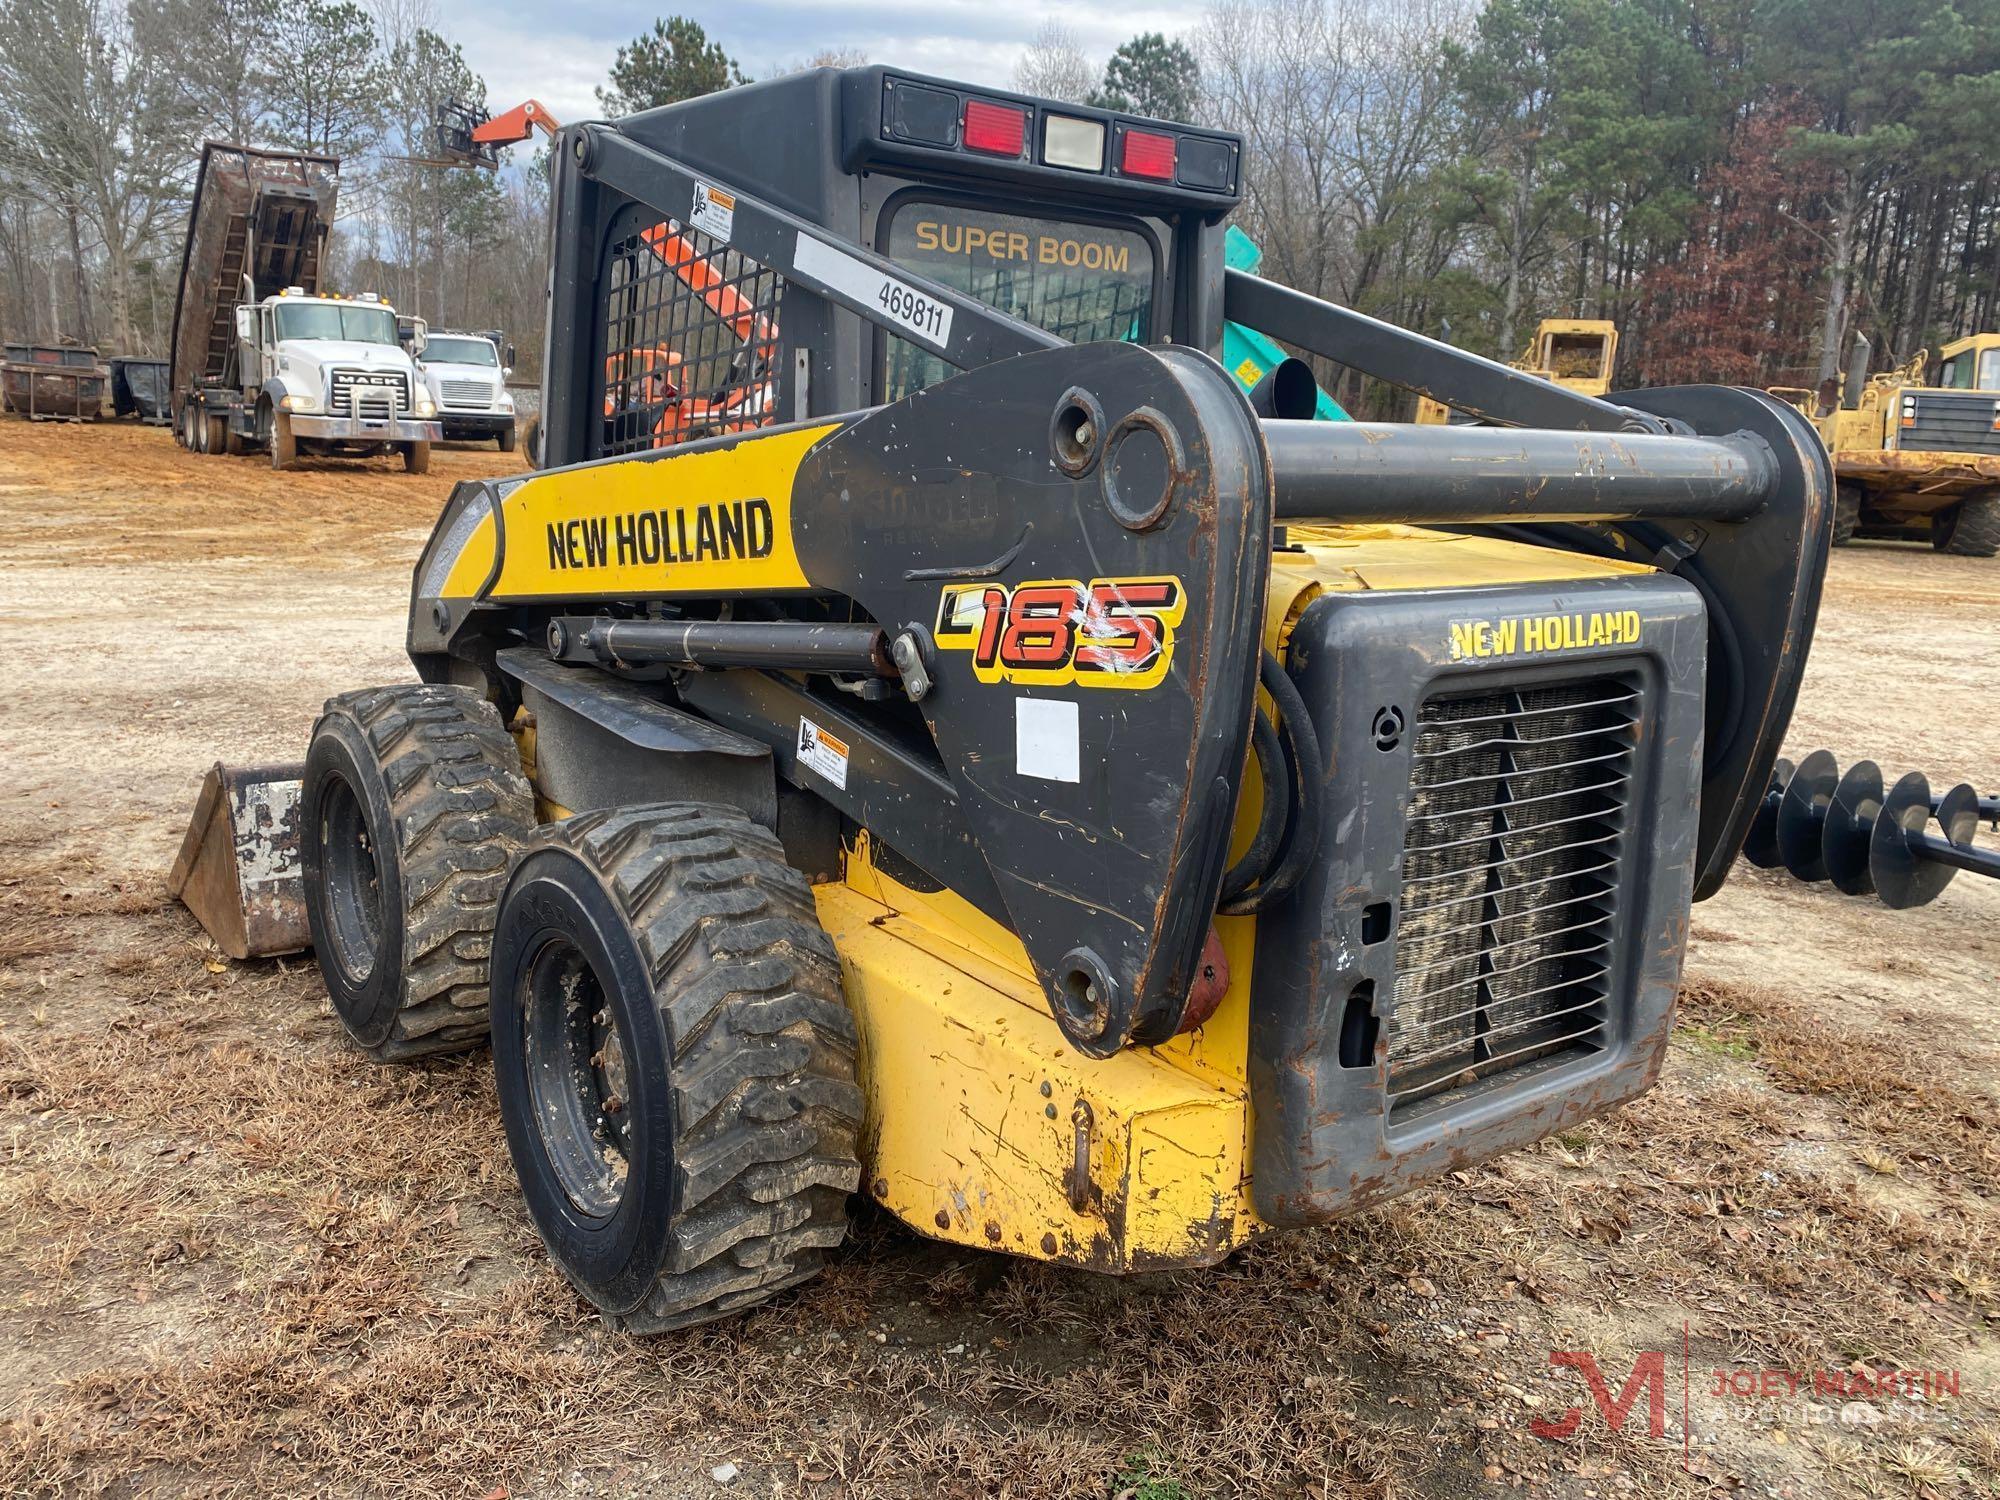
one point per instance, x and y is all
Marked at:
(245, 1261)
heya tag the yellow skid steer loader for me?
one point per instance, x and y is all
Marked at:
(937, 736)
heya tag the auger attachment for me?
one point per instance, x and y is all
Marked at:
(1821, 825)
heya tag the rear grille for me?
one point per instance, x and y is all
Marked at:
(368, 393)
(472, 394)
(1950, 422)
(1505, 944)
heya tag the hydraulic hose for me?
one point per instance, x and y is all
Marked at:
(1270, 817)
(1307, 802)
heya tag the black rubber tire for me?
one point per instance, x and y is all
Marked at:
(284, 447)
(735, 1062)
(417, 457)
(531, 441)
(1846, 513)
(1971, 528)
(217, 440)
(505, 441)
(428, 774)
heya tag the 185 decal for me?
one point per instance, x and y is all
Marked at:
(1110, 632)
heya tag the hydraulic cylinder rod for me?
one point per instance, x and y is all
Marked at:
(798, 646)
(1378, 472)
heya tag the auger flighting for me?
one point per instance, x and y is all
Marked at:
(1821, 825)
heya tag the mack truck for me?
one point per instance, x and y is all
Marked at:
(1917, 458)
(263, 359)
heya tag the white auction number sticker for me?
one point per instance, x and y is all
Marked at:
(923, 317)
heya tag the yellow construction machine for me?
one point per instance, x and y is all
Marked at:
(1006, 770)
(1578, 354)
(1918, 459)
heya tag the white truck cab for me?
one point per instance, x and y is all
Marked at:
(465, 376)
(325, 374)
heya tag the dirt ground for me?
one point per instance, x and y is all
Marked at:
(237, 1258)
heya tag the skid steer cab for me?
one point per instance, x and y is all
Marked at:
(929, 731)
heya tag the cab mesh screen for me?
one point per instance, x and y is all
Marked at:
(690, 338)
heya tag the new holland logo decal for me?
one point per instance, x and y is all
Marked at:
(1542, 635)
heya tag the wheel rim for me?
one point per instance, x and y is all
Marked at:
(578, 1076)
(353, 881)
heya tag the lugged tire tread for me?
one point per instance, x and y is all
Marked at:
(766, 1108)
(462, 809)
(1975, 531)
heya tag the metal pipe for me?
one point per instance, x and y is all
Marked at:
(1375, 472)
(1857, 372)
(777, 644)
(1958, 856)
(1457, 377)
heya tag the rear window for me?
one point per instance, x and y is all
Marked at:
(1083, 282)
(1989, 369)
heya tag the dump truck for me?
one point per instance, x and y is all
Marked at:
(987, 760)
(262, 358)
(1578, 354)
(1917, 459)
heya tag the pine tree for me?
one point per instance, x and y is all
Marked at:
(1150, 75)
(672, 62)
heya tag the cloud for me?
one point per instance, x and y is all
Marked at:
(560, 53)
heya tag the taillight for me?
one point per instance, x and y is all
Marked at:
(1144, 154)
(994, 128)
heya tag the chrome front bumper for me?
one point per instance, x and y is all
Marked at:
(365, 429)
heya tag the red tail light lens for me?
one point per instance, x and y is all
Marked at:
(1144, 154)
(994, 128)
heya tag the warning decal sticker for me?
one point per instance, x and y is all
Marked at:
(821, 752)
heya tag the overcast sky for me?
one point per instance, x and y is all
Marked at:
(558, 53)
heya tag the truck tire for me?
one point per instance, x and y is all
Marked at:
(184, 428)
(216, 440)
(531, 441)
(1846, 513)
(1970, 528)
(505, 441)
(414, 803)
(417, 457)
(675, 1062)
(232, 441)
(284, 447)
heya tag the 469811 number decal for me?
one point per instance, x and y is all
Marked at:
(1109, 632)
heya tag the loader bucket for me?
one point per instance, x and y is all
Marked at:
(238, 869)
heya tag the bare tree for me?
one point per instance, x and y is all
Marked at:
(1054, 66)
(211, 49)
(1345, 106)
(95, 124)
(827, 57)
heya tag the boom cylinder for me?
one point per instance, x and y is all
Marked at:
(780, 645)
(1381, 472)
